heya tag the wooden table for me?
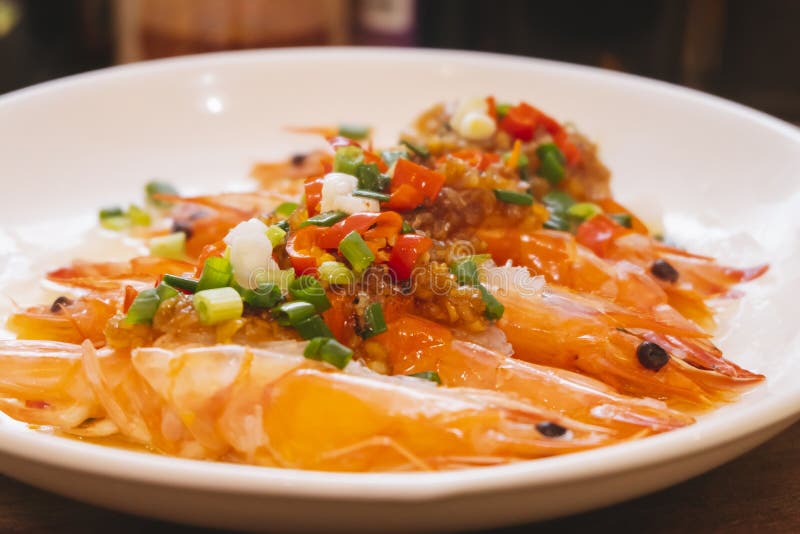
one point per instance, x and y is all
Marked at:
(759, 492)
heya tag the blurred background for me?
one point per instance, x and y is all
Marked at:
(744, 50)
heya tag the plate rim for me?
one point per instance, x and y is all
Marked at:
(148, 468)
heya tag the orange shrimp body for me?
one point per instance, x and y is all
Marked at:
(416, 345)
(271, 406)
(560, 329)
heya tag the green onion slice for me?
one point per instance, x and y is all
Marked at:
(217, 272)
(335, 273)
(374, 321)
(276, 235)
(558, 201)
(328, 350)
(166, 292)
(494, 309)
(391, 156)
(169, 246)
(159, 188)
(584, 210)
(623, 219)
(329, 218)
(266, 295)
(466, 272)
(365, 193)
(419, 150)
(308, 289)
(551, 162)
(354, 131)
(370, 178)
(356, 251)
(185, 284)
(286, 209)
(291, 313)
(407, 228)
(347, 159)
(513, 197)
(143, 308)
(217, 305)
(501, 109)
(313, 327)
(138, 216)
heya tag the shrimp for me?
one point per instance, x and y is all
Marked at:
(82, 319)
(594, 337)
(271, 406)
(691, 279)
(413, 345)
(101, 277)
(624, 276)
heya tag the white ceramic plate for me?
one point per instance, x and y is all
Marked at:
(724, 177)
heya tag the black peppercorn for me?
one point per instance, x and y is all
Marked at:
(652, 356)
(664, 271)
(551, 430)
(60, 302)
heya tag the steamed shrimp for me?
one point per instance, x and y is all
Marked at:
(414, 345)
(564, 330)
(271, 406)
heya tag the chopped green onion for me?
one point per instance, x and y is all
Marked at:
(622, 219)
(419, 150)
(159, 188)
(138, 216)
(328, 350)
(370, 178)
(501, 109)
(433, 376)
(558, 201)
(513, 197)
(494, 309)
(217, 272)
(291, 313)
(391, 156)
(114, 218)
(217, 305)
(556, 222)
(354, 131)
(374, 321)
(115, 223)
(584, 210)
(309, 289)
(313, 327)
(329, 218)
(166, 292)
(276, 235)
(143, 308)
(113, 211)
(179, 282)
(364, 193)
(283, 225)
(522, 161)
(551, 162)
(266, 295)
(466, 272)
(286, 209)
(169, 246)
(335, 273)
(281, 278)
(407, 228)
(356, 251)
(347, 159)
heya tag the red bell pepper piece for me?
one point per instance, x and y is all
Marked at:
(313, 189)
(406, 253)
(300, 247)
(599, 232)
(521, 121)
(412, 184)
(386, 224)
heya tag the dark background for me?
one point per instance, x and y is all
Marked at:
(744, 50)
